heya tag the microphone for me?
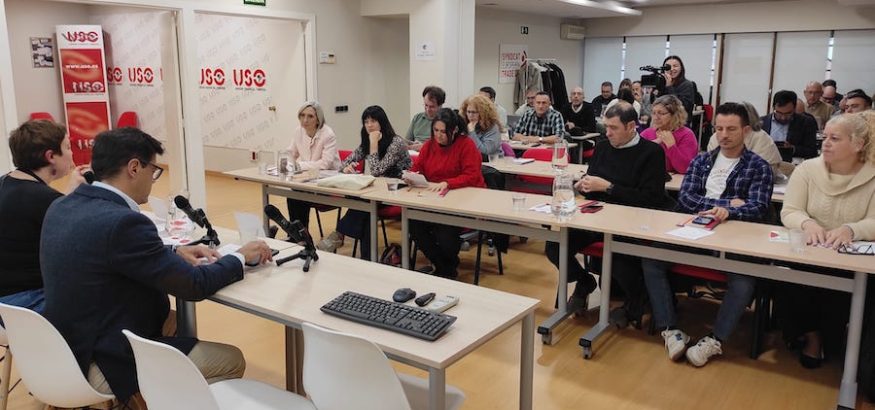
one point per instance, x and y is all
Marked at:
(89, 177)
(200, 218)
(298, 233)
(196, 216)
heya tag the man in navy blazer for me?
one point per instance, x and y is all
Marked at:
(795, 134)
(105, 269)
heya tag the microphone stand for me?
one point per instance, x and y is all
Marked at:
(211, 239)
(307, 254)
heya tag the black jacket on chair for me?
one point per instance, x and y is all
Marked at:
(801, 133)
(105, 269)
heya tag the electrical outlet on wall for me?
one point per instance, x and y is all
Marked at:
(253, 156)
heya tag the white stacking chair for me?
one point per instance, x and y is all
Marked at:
(343, 371)
(5, 370)
(46, 363)
(169, 380)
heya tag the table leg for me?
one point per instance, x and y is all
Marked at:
(405, 242)
(437, 389)
(186, 318)
(546, 328)
(374, 244)
(605, 307)
(295, 361)
(527, 361)
(848, 390)
(265, 200)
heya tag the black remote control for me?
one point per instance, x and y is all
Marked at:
(424, 299)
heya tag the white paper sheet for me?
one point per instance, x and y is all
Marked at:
(690, 233)
(418, 180)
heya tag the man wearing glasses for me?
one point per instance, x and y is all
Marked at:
(106, 269)
(794, 134)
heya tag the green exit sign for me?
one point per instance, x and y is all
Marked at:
(256, 2)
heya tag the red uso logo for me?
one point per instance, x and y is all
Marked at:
(114, 74)
(210, 76)
(248, 77)
(141, 75)
(81, 36)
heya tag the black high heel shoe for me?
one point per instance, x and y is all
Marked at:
(809, 362)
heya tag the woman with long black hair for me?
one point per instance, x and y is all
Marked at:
(385, 155)
(676, 83)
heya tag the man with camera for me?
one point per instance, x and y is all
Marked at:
(794, 134)
(727, 183)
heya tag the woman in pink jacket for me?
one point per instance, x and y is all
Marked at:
(314, 146)
(668, 130)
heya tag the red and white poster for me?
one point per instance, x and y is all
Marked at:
(83, 77)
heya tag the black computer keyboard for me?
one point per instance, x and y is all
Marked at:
(397, 317)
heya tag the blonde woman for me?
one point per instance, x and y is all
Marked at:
(314, 146)
(667, 129)
(483, 125)
(832, 199)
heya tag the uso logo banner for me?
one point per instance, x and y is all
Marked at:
(84, 81)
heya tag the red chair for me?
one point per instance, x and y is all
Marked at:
(536, 185)
(128, 119)
(41, 116)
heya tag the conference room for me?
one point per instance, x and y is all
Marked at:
(451, 133)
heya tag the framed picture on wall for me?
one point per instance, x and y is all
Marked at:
(42, 51)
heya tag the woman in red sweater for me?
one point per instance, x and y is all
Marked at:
(448, 160)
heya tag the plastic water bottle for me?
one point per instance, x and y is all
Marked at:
(562, 205)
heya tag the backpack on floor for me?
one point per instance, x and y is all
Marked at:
(391, 255)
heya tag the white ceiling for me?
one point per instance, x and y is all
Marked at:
(574, 9)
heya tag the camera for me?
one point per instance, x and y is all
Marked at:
(655, 79)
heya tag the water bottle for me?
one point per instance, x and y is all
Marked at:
(562, 205)
(560, 156)
(171, 215)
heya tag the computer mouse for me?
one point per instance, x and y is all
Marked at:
(403, 295)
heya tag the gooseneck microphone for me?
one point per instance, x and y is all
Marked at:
(298, 233)
(198, 216)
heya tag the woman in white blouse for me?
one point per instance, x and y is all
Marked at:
(314, 146)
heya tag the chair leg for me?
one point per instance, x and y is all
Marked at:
(319, 222)
(385, 236)
(477, 262)
(500, 264)
(355, 247)
(6, 374)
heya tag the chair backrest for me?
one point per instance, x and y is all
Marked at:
(342, 371)
(45, 361)
(344, 153)
(128, 119)
(41, 116)
(168, 379)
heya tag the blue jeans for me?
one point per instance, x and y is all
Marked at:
(33, 299)
(738, 296)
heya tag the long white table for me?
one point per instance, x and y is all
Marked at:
(730, 238)
(289, 296)
(486, 210)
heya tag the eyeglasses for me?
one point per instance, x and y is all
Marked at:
(157, 172)
(779, 114)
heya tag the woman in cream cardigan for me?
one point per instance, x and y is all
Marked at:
(832, 199)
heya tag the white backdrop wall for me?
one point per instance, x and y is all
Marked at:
(799, 59)
(853, 64)
(38, 89)
(747, 68)
(642, 51)
(495, 27)
(603, 58)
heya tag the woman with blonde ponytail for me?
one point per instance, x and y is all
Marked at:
(832, 199)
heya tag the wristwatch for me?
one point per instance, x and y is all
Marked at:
(609, 189)
(540, 140)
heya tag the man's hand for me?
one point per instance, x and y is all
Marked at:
(256, 251)
(718, 212)
(198, 254)
(737, 202)
(569, 125)
(591, 183)
(77, 177)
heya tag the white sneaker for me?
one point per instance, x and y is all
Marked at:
(675, 342)
(707, 347)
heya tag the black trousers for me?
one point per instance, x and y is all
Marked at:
(299, 210)
(626, 269)
(440, 244)
(357, 224)
(801, 309)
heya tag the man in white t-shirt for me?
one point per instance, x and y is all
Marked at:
(729, 182)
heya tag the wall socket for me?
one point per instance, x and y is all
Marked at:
(253, 156)
(341, 108)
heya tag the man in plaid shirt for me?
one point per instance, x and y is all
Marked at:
(727, 183)
(542, 124)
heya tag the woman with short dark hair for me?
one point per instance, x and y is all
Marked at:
(42, 154)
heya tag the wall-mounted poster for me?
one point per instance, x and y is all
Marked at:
(510, 58)
(42, 51)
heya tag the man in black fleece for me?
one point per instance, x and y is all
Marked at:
(579, 116)
(627, 170)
